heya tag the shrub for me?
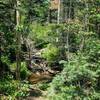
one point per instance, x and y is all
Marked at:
(43, 86)
(7, 85)
(12, 88)
(51, 53)
(76, 82)
(24, 72)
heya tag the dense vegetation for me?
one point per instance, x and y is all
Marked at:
(60, 45)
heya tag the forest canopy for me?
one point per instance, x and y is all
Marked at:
(50, 49)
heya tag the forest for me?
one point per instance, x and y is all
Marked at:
(49, 49)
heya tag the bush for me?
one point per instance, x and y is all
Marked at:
(7, 85)
(51, 53)
(76, 82)
(24, 72)
(12, 88)
(43, 86)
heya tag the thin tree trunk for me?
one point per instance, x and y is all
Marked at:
(58, 16)
(86, 17)
(86, 27)
(18, 61)
(69, 16)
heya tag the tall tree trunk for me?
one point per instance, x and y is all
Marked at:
(58, 16)
(68, 22)
(18, 41)
(86, 27)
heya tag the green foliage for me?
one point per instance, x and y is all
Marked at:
(76, 81)
(23, 91)
(12, 88)
(80, 78)
(39, 34)
(24, 72)
(51, 53)
(7, 85)
(43, 86)
(35, 10)
(5, 60)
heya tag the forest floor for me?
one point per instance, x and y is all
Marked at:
(36, 98)
(36, 94)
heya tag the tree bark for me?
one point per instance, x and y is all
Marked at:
(58, 16)
(18, 41)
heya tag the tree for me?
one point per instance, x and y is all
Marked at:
(18, 40)
(79, 78)
(7, 32)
